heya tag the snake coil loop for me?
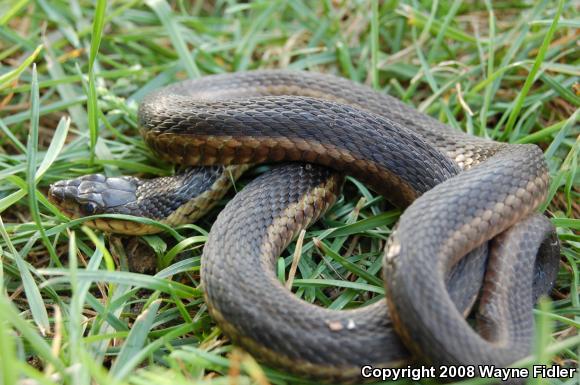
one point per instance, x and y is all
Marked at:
(466, 198)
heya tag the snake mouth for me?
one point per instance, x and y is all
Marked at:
(93, 194)
(97, 194)
(66, 196)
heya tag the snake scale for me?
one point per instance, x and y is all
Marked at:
(470, 230)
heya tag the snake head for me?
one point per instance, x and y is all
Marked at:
(171, 200)
(94, 194)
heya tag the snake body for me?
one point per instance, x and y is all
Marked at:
(468, 197)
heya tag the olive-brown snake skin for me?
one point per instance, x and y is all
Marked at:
(467, 198)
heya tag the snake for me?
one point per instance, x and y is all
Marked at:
(471, 235)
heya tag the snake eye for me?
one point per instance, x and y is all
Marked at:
(89, 208)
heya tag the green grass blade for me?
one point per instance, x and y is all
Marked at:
(489, 69)
(44, 110)
(518, 104)
(97, 31)
(54, 148)
(17, 143)
(75, 312)
(347, 264)
(247, 45)
(135, 341)
(542, 338)
(140, 355)
(386, 218)
(561, 135)
(31, 156)
(168, 258)
(560, 89)
(92, 102)
(189, 264)
(9, 200)
(35, 301)
(374, 44)
(435, 46)
(126, 278)
(8, 77)
(8, 358)
(11, 12)
(338, 283)
(163, 11)
(99, 245)
(419, 19)
(8, 313)
(542, 134)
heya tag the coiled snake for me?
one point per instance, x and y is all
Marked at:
(469, 198)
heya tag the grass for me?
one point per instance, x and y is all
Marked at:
(71, 76)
